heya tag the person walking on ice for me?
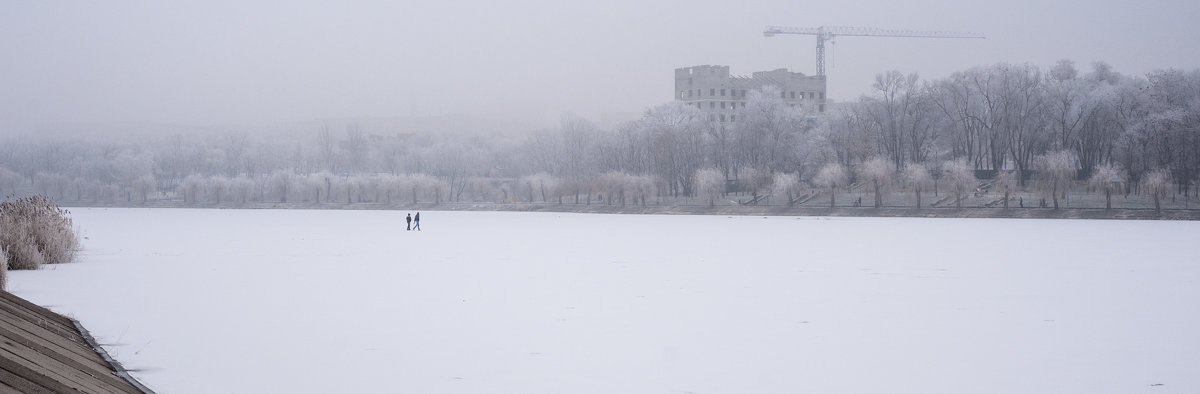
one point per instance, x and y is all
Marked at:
(417, 222)
(408, 219)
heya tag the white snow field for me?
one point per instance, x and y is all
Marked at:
(308, 301)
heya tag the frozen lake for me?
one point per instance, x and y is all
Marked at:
(252, 301)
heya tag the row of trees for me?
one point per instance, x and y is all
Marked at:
(1018, 127)
(876, 177)
(1004, 117)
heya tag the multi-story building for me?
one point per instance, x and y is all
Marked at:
(719, 95)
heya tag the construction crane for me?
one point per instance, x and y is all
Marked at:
(825, 33)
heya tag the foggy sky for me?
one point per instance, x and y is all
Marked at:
(235, 62)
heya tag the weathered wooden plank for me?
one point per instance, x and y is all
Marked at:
(38, 309)
(13, 383)
(100, 370)
(44, 352)
(49, 369)
(77, 347)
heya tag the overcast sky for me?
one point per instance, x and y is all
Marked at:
(233, 62)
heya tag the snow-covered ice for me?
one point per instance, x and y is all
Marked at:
(295, 301)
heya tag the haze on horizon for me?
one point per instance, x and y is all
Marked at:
(229, 62)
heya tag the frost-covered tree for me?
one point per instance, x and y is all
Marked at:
(1006, 181)
(1155, 185)
(143, 185)
(319, 187)
(831, 177)
(786, 187)
(613, 186)
(753, 181)
(962, 108)
(279, 185)
(540, 184)
(128, 167)
(674, 137)
(1107, 178)
(216, 188)
(1021, 114)
(917, 177)
(960, 178)
(192, 188)
(421, 183)
(900, 118)
(879, 171)
(1055, 172)
(347, 189)
(998, 113)
(372, 188)
(640, 187)
(1066, 100)
(769, 134)
(241, 189)
(841, 137)
(454, 162)
(710, 184)
(387, 187)
(53, 185)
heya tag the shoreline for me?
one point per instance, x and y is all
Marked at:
(741, 210)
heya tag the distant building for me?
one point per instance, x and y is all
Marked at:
(719, 95)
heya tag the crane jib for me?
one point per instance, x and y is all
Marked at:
(825, 33)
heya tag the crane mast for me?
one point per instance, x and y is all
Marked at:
(825, 33)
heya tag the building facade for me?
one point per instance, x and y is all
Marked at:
(719, 95)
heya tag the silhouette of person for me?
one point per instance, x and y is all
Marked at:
(409, 220)
(417, 222)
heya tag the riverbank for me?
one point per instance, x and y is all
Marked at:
(730, 209)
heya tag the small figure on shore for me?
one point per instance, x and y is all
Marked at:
(1022, 201)
(408, 219)
(417, 222)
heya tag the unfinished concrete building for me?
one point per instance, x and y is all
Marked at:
(720, 95)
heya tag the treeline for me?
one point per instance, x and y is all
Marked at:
(1004, 128)
(1006, 117)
